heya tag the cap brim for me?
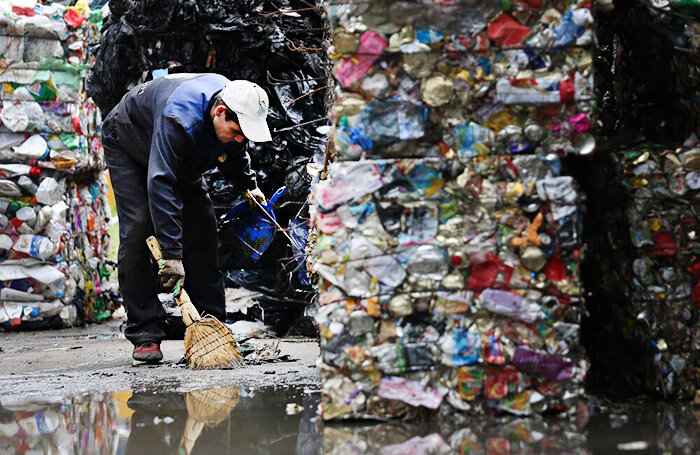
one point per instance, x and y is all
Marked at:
(254, 130)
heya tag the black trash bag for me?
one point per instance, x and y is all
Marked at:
(118, 46)
(269, 282)
(297, 180)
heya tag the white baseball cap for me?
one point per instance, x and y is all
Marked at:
(250, 103)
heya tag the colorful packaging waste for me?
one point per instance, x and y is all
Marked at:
(449, 239)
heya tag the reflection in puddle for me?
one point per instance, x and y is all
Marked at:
(472, 436)
(85, 424)
(652, 428)
(233, 420)
(219, 420)
(207, 408)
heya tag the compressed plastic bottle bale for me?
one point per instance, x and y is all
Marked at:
(50, 146)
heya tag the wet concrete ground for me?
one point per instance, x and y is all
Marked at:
(74, 392)
(98, 359)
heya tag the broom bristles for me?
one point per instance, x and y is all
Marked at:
(209, 344)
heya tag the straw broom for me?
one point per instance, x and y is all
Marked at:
(208, 343)
(207, 408)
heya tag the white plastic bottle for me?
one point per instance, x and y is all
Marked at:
(36, 246)
(27, 215)
(27, 185)
(50, 191)
(42, 218)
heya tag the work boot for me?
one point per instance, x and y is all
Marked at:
(148, 352)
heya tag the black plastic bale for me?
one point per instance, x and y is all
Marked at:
(247, 39)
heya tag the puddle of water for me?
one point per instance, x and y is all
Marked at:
(628, 429)
(221, 420)
(234, 420)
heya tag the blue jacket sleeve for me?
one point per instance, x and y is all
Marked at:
(237, 166)
(168, 147)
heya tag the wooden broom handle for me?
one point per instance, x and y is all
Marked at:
(154, 246)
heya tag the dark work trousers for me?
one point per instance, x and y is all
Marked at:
(138, 279)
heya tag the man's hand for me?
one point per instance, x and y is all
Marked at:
(257, 195)
(172, 274)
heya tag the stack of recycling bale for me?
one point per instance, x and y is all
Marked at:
(54, 214)
(641, 230)
(658, 266)
(663, 268)
(450, 240)
(278, 45)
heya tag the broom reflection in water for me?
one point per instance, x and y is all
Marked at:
(207, 409)
(172, 422)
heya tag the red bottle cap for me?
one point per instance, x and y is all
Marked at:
(76, 125)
